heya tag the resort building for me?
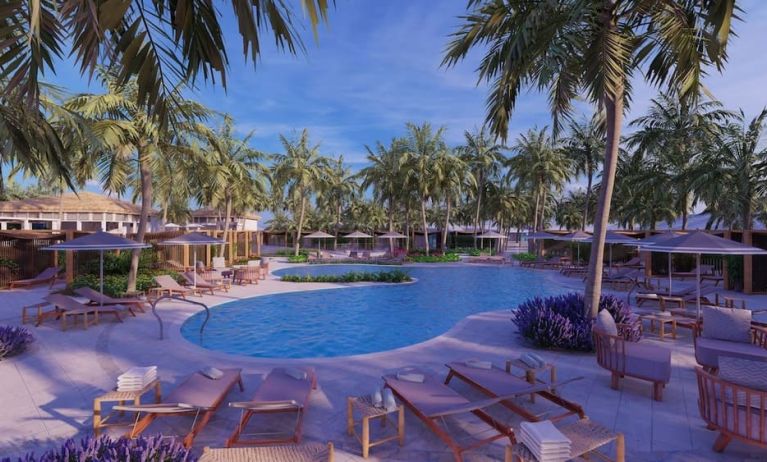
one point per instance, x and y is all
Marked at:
(84, 211)
(213, 219)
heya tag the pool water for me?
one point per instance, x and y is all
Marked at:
(357, 320)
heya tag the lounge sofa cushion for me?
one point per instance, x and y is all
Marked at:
(726, 324)
(746, 372)
(648, 362)
(605, 323)
(708, 351)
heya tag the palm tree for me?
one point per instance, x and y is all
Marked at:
(300, 171)
(674, 133)
(451, 176)
(541, 166)
(235, 174)
(339, 188)
(585, 146)
(160, 44)
(424, 145)
(483, 157)
(132, 143)
(592, 47)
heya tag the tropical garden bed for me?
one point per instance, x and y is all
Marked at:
(395, 276)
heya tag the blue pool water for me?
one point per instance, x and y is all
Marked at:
(358, 320)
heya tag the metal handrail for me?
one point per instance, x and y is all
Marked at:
(180, 299)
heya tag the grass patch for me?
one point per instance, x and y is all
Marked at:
(396, 276)
(445, 258)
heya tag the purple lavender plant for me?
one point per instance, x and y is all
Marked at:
(13, 340)
(561, 321)
(106, 449)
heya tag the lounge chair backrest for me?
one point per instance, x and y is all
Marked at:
(167, 282)
(203, 392)
(64, 302)
(47, 273)
(279, 386)
(91, 294)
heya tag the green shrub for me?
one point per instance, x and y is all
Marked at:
(396, 276)
(115, 285)
(120, 264)
(290, 253)
(445, 258)
(524, 256)
(8, 263)
(300, 258)
(471, 251)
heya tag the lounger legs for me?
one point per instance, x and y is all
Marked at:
(721, 442)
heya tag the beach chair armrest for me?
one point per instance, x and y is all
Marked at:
(267, 405)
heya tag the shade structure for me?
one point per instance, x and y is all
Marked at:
(194, 239)
(319, 235)
(577, 237)
(491, 235)
(100, 241)
(392, 235)
(358, 235)
(541, 235)
(171, 226)
(698, 243)
(611, 237)
(658, 239)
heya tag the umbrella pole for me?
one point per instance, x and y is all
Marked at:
(194, 265)
(697, 274)
(101, 278)
(669, 273)
(610, 246)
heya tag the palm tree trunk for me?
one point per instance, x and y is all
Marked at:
(425, 226)
(338, 226)
(300, 223)
(407, 227)
(145, 172)
(479, 207)
(614, 118)
(391, 226)
(588, 198)
(227, 218)
(3, 192)
(447, 223)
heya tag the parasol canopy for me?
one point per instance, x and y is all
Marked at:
(194, 239)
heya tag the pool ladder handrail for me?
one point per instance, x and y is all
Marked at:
(180, 299)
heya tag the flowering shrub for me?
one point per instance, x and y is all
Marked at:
(395, 276)
(13, 340)
(562, 322)
(106, 449)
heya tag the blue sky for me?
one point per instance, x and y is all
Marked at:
(376, 66)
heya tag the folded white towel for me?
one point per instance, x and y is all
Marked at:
(409, 376)
(297, 374)
(376, 398)
(388, 400)
(477, 364)
(543, 432)
(545, 449)
(212, 373)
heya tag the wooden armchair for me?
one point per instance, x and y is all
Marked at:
(707, 350)
(735, 411)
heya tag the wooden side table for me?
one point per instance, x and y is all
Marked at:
(120, 397)
(364, 407)
(662, 321)
(531, 373)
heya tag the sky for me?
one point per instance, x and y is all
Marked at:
(376, 66)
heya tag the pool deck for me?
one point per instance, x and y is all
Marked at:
(47, 393)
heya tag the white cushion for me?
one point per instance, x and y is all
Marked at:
(605, 323)
(212, 373)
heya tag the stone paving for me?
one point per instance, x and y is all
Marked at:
(47, 393)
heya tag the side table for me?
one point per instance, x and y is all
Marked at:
(120, 397)
(531, 373)
(364, 407)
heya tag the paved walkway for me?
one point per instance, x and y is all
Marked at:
(47, 393)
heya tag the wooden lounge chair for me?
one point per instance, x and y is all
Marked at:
(634, 262)
(247, 275)
(305, 452)
(704, 270)
(97, 298)
(198, 396)
(40, 313)
(432, 401)
(47, 276)
(532, 263)
(497, 382)
(280, 392)
(202, 285)
(585, 436)
(174, 265)
(69, 307)
(168, 285)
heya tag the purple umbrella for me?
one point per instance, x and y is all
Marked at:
(660, 239)
(193, 239)
(577, 237)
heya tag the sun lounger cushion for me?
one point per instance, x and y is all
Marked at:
(477, 364)
(726, 324)
(297, 374)
(497, 381)
(648, 361)
(410, 376)
(708, 351)
(200, 391)
(279, 386)
(429, 397)
(606, 324)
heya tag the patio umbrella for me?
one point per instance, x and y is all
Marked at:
(391, 235)
(698, 243)
(541, 235)
(577, 237)
(171, 226)
(100, 241)
(659, 239)
(611, 237)
(193, 239)
(319, 235)
(356, 235)
(491, 235)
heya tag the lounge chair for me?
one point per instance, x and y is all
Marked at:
(634, 262)
(497, 382)
(432, 401)
(247, 275)
(353, 254)
(197, 396)
(688, 294)
(704, 270)
(630, 359)
(264, 267)
(47, 276)
(532, 263)
(306, 452)
(69, 307)
(174, 265)
(97, 298)
(201, 284)
(280, 392)
(168, 285)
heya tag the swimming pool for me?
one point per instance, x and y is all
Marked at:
(366, 319)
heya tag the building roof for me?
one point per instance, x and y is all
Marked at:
(210, 212)
(83, 202)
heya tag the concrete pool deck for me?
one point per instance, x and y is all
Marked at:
(47, 393)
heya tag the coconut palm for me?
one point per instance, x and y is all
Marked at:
(451, 178)
(338, 189)
(132, 142)
(159, 44)
(484, 157)
(593, 47)
(423, 145)
(585, 146)
(299, 171)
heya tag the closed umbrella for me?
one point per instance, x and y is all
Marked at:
(699, 243)
(194, 240)
(577, 237)
(100, 241)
